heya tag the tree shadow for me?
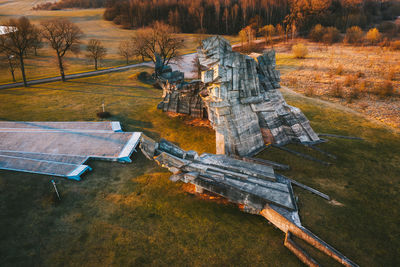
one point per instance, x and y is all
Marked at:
(97, 93)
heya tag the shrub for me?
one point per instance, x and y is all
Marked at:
(362, 87)
(300, 50)
(395, 45)
(350, 80)
(383, 90)
(103, 114)
(331, 35)
(386, 89)
(339, 70)
(391, 75)
(360, 74)
(354, 35)
(337, 90)
(145, 77)
(292, 81)
(310, 91)
(317, 32)
(355, 93)
(373, 36)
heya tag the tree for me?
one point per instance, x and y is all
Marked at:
(354, 35)
(331, 35)
(196, 69)
(247, 34)
(125, 49)
(373, 36)
(157, 41)
(10, 62)
(96, 51)
(317, 32)
(63, 36)
(280, 32)
(18, 38)
(37, 41)
(268, 31)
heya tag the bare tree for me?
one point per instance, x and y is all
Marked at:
(157, 40)
(37, 41)
(10, 62)
(63, 36)
(18, 38)
(196, 69)
(96, 51)
(126, 50)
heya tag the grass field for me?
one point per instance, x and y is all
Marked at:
(360, 72)
(131, 214)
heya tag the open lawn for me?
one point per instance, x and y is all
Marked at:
(131, 214)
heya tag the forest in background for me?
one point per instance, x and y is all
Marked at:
(230, 16)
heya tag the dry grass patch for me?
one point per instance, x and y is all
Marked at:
(337, 90)
(362, 76)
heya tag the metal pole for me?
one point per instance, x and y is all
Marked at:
(55, 188)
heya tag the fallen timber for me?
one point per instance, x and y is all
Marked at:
(256, 187)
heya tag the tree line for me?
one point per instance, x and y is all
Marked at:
(230, 16)
(69, 4)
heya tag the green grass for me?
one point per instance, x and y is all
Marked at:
(131, 214)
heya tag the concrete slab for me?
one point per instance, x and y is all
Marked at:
(70, 171)
(78, 160)
(60, 126)
(95, 145)
(62, 148)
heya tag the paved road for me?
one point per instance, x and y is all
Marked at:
(77, 75)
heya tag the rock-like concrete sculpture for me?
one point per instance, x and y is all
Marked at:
(179, 96)
(241, 98)
(183, 97)
(257, 188)
(244, 103)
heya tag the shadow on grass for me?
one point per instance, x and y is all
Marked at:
(96, 93)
